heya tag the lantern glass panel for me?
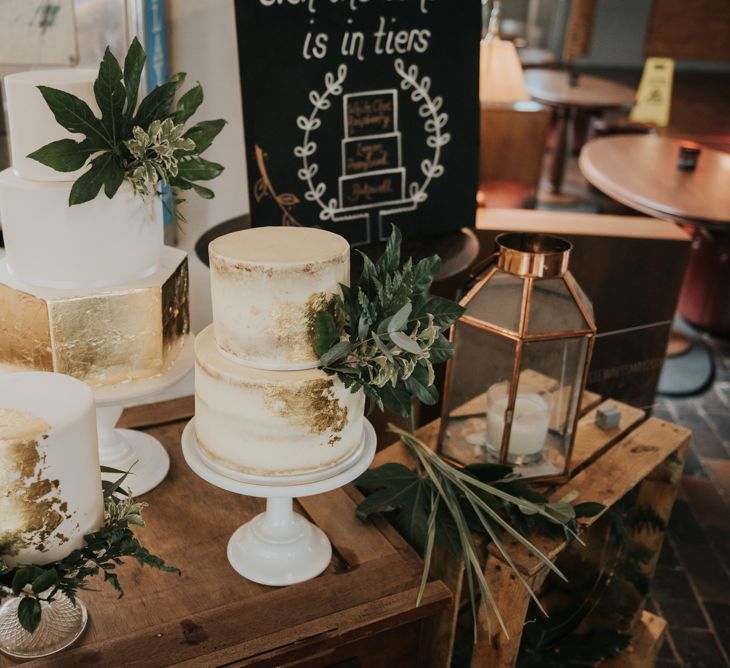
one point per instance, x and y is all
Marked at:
(550, 382)
(499, 301)
(553, 308)
(481, 359)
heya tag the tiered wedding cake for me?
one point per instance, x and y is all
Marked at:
(262, 406)
(88, 290)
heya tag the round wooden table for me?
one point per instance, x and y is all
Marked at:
(567, 93)
(641, 172)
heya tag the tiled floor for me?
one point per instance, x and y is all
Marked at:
(692, 585)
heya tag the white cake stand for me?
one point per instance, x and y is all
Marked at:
(279, 547)
(127, 448)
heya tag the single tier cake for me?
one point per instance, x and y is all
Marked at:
(50, 482)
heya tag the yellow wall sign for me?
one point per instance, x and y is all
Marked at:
(655, 93)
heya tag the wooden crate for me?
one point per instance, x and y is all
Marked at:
(362, 611)
(647, 454)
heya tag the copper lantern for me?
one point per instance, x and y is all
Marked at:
(521, 355)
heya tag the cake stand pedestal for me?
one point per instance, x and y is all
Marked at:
(279, 547)
(123, 449)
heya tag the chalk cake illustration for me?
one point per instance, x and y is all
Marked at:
(372, 185)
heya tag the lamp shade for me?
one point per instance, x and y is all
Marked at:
(500, 72)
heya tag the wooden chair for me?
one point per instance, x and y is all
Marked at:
(512, 147)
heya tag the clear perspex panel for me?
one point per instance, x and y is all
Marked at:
(553, 309)
(481, 359)
(547, 400)
(498, 301)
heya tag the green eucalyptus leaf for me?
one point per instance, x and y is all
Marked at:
(405, 343)
(400, 319)
(382, 347)
(133, 68)
(110, 96)
(29, 613)
(337, 352)
(325, 329)
(47, 579)
(188, 104)
(74, 114)
(198, 169)
(204, 133)
(64, 155)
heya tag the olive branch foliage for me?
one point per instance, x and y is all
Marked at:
(102, 552)
(144, 143)
(383, 337)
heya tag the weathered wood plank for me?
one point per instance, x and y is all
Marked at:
(162, 412)
(355, 541)
(608, 479)
(591, 440)
(164, 619)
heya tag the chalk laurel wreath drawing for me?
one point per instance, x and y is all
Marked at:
(429, 109)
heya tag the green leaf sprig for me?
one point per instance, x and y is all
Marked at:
(384, 336)
(146, 144)
(439, 504)
(102, 552)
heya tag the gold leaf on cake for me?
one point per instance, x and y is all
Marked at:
(313, 406)
(31, 508)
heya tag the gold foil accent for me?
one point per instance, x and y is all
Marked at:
(31, 508)
(25, 336)
(101, 338)
(293, 326)
(313, 406)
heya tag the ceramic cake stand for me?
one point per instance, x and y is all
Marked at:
(279, 547)
(127, 448)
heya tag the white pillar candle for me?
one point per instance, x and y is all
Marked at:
(50, 482)
(530, 424)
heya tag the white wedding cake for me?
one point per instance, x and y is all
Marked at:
(87, 290)
(99, 243)
(50, 482)
(262, 406)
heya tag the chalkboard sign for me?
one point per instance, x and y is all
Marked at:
(361, 113)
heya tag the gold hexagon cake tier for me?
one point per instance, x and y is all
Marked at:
(103, 336)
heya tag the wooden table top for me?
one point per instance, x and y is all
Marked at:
(210, 615)
(553, 87)
(641, 171)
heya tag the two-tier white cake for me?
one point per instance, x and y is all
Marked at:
(87, 290)
(262, 406)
